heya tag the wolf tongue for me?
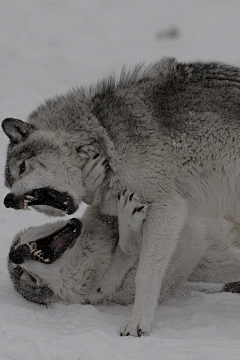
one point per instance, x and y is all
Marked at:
(58, 244)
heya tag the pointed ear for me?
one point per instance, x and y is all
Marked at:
(16, 129)
(87, 151)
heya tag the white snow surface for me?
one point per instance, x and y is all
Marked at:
(47, 47)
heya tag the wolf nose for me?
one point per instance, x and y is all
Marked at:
(17, 255)
(9, 200)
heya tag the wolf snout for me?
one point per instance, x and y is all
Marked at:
(17, 255)
(11, 201)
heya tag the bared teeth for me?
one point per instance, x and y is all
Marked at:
(30, 246)
(25, 202)
(36, 253)
(29, 197)
(34, 245)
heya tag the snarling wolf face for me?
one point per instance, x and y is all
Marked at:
(39, 259)
(42, 170)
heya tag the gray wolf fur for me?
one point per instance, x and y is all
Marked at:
(170, 133)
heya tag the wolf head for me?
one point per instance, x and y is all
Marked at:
(46, 155)
(43, 169)
(40, 259)
(61, 263)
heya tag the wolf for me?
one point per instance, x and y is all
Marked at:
(78, 261)
(81, 262)
(169, 133)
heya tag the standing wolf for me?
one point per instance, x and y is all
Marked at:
(170, 133)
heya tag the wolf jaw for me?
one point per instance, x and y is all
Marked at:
(49, 248)
(42, 196)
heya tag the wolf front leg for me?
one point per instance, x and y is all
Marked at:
(160, 234)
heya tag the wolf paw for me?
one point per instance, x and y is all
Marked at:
(131, 211)
(131, 214)
(93, 173)
(135, 327)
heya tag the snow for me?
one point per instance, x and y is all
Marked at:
(48, 46)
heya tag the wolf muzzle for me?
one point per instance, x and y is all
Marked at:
(42, 196)
(48, 248)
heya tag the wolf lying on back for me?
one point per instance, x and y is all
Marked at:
(171, 134)
(61, 262)
(89, 267)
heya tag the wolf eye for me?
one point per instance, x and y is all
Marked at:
(22, 168)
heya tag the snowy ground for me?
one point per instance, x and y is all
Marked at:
(47, 46)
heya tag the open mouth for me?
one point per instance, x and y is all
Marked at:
(42, 196)
(49, 248)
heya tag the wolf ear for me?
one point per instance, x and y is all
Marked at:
(16, 129)
(87, 151)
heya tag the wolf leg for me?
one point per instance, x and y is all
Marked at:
(131, 215)
(160, 234)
